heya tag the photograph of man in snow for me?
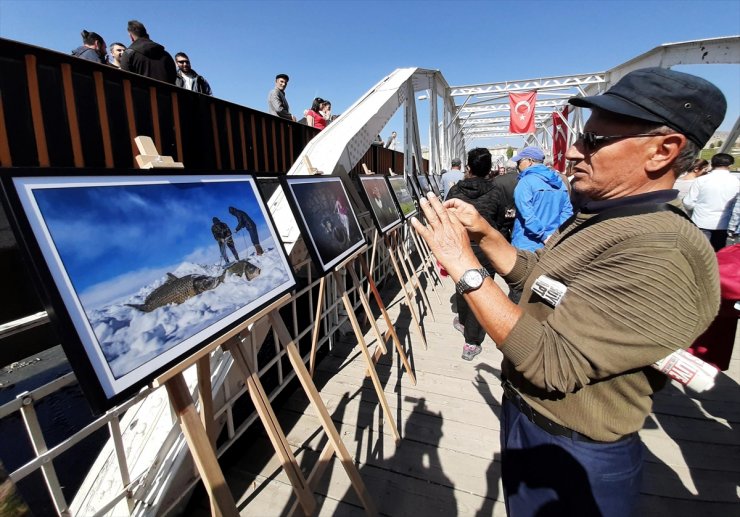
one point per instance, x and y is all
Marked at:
(244, 221)
(222, 234)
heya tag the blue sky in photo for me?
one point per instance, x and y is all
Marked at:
(102, 232)
(339, 49)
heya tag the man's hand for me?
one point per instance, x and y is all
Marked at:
(472, 221)
(446, 236)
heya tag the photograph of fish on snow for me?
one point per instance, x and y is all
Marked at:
(151, 268)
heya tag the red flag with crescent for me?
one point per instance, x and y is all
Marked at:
(559, 139)
(521, 105)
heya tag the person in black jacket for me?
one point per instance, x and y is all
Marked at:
(504, 185)
(476, 189)
(246, 222)
(222, 233)
(92, 49)
(146, 57)
(188, 78)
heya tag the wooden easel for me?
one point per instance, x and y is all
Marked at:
(200, 433)
(391, 327)
(200, 443)
(427, 259)
(336, 273)
(402, 282)
(411, 273)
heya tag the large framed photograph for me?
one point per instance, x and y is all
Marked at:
(139, 272)
(325, 215)
(379, 199)
(402, 194)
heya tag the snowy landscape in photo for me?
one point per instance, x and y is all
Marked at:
(130, 337)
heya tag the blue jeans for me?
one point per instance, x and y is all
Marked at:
(547, 475)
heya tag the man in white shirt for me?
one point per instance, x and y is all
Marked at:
(712, 198)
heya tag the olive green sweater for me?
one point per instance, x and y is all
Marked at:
(639, 288)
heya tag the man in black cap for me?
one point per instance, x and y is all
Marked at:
(621, 285)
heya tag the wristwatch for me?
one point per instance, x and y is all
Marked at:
(471, 280)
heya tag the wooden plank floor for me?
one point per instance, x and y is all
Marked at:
(448, 462)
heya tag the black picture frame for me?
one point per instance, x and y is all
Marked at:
(434, 181)
(326, 218)
(403, 196)
(424, 186)
(125, 265)
(376, 192)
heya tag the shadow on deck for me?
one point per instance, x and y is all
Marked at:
(448, 462)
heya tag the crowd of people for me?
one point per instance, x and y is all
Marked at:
(143, 56)
(146, 57)
(610, 267)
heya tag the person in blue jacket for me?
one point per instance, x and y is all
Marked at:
(541, 199)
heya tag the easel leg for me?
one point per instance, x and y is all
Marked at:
(424, 267)
(426, 258)
(409, 301)
(317, 325)
(413, 277)
(372, 258)
(366, 305)
(200, 447)
(329, 428)
(388, 322)
(272, 426)
(370, 364)
(205, 394)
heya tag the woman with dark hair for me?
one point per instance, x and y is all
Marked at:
(92, 49)
(683, 183)
(314, 118)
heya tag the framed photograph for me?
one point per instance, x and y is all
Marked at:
(138, 272)
(379, 199)
(402, 194)
(325, 215)
(424, 185)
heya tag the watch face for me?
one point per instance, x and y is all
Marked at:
(473, 278)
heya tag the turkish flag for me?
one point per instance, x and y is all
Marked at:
(559, 139)
(521, 106)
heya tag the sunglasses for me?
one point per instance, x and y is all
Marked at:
(592, 140)
(184, 62)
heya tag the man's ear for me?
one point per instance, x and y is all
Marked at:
(666, 149)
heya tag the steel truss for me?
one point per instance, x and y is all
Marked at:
(478, 116)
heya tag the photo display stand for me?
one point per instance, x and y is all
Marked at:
(428, 263)
(334, 240)
(410, 270)
(372, 287)
(200, 443)
(402, 282)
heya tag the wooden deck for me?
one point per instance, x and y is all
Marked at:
(448, 462)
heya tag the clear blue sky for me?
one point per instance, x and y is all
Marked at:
(339, 49)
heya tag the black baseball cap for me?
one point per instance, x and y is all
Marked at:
(689, 104)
